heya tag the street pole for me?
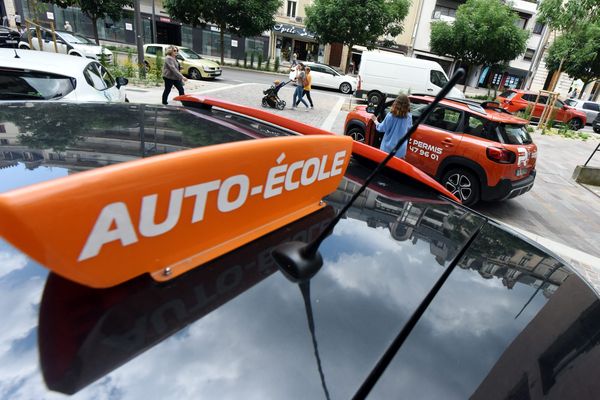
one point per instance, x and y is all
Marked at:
(139, 38)
(153, 23)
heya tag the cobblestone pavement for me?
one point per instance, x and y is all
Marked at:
(558, 213)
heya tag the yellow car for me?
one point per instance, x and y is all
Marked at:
(192, 64)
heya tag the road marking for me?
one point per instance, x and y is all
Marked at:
(329, 121)
(224, 88)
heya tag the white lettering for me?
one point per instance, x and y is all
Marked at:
(338, 161)
(289, 184)
(307, 179)
(223, 202)
(276, 176)
(148, 213)
(200, 192)
(322, 173)
(114, 213)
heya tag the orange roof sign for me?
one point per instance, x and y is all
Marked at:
(167, 214)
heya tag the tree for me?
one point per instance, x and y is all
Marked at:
(485, 32)
(97, 10)
(239, 17)
(572, 18)
(576, 53)
(352, 22)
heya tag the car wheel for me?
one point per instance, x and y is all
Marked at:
(194, 74)
(597, 130)
(356, 133)
(345, 88)
(24, 47)
(374, 98)
(463, 184)
(575, 124)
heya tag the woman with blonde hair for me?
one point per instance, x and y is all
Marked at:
(171, 74)
(395, 125)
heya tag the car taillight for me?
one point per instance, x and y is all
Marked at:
(500, 155)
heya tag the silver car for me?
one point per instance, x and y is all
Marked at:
(590, 108)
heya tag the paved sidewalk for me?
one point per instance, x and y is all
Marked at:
(558, 213)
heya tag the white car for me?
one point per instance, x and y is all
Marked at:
(590, 108)
(327, 77)
(66, 43)
(38, 75)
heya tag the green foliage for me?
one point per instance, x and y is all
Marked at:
(578, 51)
(276, 66)
(252, 59)
(484, 33)
(157, 68)
(568, 16)
(481, 97)
(268, 64)
(346, 21)
(243, 18)
(246, 60)
(260, 60)
(129, 66)
(103, 59)
(525, 114)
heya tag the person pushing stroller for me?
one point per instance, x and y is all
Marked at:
(271, 98)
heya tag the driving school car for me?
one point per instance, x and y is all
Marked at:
(477, 151)
(137, 247)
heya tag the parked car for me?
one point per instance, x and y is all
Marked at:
(9, 37)
(384, 74)
(168, 181)
(516, 100)
(38, 75)
(590, 108)
(478, 152)
(192, 64)
(325, 76)
(69, 43)
(596, 124)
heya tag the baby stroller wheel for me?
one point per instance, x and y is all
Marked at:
(264, 102)
(280, 105)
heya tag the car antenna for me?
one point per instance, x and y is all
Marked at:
(300, 261)
(16, 54)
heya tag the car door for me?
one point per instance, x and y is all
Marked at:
(560, 111)
(435, 139)
(319, 76)
(591, 110)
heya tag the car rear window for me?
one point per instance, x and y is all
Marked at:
(515, 134)
(509, 94)
(33, 85)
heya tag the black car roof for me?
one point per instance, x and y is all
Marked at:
(236, 327)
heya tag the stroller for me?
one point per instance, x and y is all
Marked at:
(271, 99)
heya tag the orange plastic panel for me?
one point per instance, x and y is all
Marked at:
(176, 211)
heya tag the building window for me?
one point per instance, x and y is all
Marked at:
(446, 11)
(291, 9)
(523, 20)
(538, 28)
(528, 56)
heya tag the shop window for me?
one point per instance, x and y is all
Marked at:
(187, 36)
(528, 56)
(211, 44)
(254, 46)
(523, 20)
(291, 8)
(538, 28)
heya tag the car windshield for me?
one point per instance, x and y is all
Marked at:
(77, 39)
(189, 54)
(508, 94)
(23, 85)
(571, 103)
(515, 134)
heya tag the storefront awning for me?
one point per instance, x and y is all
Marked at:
(295, 31)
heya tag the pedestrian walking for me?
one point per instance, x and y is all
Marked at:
(68, 27)
(395, 125)
(573, 93)
(18, 21)
(300, 77)
(307, 85)
(171, 74)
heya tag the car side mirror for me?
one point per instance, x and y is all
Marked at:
(121, 81)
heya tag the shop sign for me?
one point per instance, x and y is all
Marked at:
(293, 30)
(164, 19)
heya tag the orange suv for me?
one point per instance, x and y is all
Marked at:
(515, 100)
(477, 151)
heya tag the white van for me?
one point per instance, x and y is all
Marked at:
(383, 73)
